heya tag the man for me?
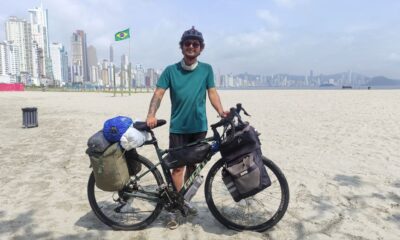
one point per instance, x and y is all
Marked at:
(189, 81)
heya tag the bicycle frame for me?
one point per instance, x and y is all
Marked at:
(167, 174)
(196, 172)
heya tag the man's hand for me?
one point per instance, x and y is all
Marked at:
(224, 114)
(151, 121)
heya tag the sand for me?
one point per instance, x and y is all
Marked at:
(339, 150)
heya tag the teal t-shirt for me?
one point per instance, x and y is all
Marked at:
(188, 96)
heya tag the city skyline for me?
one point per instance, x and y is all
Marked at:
(280, 36)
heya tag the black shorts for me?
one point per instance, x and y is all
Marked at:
(177, 140)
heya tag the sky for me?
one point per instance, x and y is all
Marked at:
(259, 37)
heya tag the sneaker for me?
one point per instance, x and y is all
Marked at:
(173, 221)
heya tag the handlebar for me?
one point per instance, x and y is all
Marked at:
(234, 112)
(228, 120)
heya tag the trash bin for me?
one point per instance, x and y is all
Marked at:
(29, 117)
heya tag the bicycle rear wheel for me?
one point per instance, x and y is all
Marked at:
(256, 213)
(123, 212)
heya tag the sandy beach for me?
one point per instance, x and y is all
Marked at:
(339, 150)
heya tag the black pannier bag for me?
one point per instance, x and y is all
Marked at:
(245, 140)
(97, 143)
(134, 166)
(246, 175)
(186, 155)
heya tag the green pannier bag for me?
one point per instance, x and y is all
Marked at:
(110, 168)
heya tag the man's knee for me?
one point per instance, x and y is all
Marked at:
(178, 171)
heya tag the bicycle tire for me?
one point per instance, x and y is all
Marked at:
(101, 213)
(214, 185)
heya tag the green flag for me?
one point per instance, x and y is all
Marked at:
(122, 35)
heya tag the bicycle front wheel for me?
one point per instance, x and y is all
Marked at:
(122, 211)
(256, 213)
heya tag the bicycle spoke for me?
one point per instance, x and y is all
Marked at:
(123, 210)
(252, 212)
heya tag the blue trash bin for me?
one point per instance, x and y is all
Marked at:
(29, 117)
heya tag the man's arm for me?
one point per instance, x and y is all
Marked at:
(216, 102)
(154, 105)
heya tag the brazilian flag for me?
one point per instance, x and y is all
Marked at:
(122, 35)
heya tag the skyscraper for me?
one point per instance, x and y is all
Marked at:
(18, 33)
(92, 56)
(4, 63)
(8, 62)
(80, 65)
(59, 62)
(40, 36)
(153, 77)
(124, 61)
(64, 66)
(139, 76)
(111, 53)
(4, 58)
(105, 73)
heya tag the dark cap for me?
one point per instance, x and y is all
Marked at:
(192, 34)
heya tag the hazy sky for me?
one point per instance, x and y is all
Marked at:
(263, 37)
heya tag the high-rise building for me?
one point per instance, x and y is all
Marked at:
(64, 66)
(124, 61)
(105, 73)
(4, 58)
(153, 77)
(111, 53)
(40, 36)
(59, 60)
(80, 65)
(36, 61)
(92, 56)
(77, 59)
(18, 33)
(9, 62)
(124, 75)
(94, 74)
(139, 76)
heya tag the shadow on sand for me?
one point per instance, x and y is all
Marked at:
(331, 211)
(204, 219)
(24, 227)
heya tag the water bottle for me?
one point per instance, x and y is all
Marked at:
(193, 189)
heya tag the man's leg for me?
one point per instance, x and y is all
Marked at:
(191, 167)
(177, 140)
(177, 177)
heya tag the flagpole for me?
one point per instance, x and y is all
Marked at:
(114, 83)
(129, 64)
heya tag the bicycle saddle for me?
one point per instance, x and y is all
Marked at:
(142, 126)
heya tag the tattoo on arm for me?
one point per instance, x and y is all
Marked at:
(154, 105)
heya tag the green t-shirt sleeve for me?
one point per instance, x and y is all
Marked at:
(210, 78)
(164, 80)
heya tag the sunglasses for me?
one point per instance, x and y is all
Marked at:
(190, 43)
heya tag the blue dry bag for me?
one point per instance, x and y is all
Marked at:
(114, 128)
